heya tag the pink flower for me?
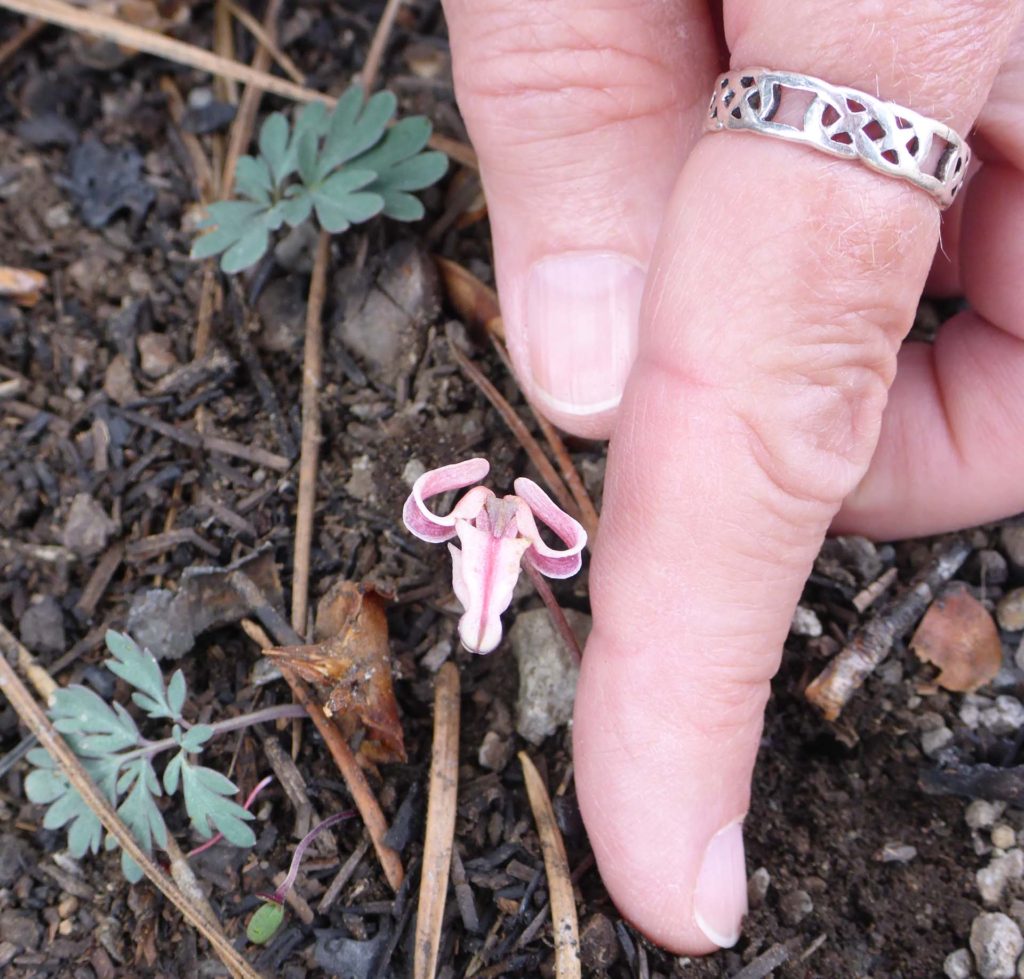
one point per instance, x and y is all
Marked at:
(497, 535)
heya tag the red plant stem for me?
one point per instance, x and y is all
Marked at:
(217, 837)
(293, 871)
(558, 619)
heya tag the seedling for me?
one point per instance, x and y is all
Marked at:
(119, 759)
(344, 167)
(267, 918)
(498, 536)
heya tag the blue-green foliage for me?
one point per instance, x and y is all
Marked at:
(344, 167)
(114, 753)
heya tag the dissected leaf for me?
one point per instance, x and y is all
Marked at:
(351, 133)
(139, 668)
(207, 800)
(273, 142)
(253, 179)
(139, 809)
(338, 202)
(99, 728)
(352, 669)
(958, 635)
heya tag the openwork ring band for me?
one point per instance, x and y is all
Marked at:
(843, 122)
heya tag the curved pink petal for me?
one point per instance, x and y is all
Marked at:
(484, 575)
(431, 527)
(548, 560)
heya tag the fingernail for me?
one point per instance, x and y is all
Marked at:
(720, 900)
(582, 318)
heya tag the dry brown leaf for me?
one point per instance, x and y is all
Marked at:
(351, 668)
(23, 286)
(958, 635)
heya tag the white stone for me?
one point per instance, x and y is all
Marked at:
(412, 471)
(958, 964)
(982, 814)
(996, 942)
(1003, 836)
(1001, 870)
(547, 673)
(932, 742)
(805, 622)
(1005, 716)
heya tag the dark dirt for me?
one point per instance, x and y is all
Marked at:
(100, 359)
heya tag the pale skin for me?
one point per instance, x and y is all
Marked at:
(729, 309)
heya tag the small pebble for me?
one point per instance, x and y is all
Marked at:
(958, 964)
(1012, 539)
(757, 887)
(805, 622)
(1003, 836)
(87, 528)
(1010, 611)
(1002, 869)
(996, 942)
(156, 357)
(795, 906)
(42, 626)
(982, 814)
(1006, 716)
(118, 383)
(495, 752)
(932, 742)
(896, 853)
(990, 568)
(414, 468)
(599, 945)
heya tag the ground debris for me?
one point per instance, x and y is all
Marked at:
(168, 623)
(958, 636)
(105, 181)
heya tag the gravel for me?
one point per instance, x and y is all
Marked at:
(996, 942)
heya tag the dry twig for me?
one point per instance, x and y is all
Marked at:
(267, 41)
(440, 833)
(374, 56)
(564, 925)
(310, 453)
(836, 684)
(34, 718)
(362, 795)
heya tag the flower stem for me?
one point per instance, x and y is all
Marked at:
(293, 871)
(558, 619)
(152, 748)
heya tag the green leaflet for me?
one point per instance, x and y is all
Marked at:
(317, 166)
(264, 923)
(118, 759)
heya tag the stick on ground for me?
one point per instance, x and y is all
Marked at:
(564, 924)
(310, 454)
(440, 834)
(832, 689)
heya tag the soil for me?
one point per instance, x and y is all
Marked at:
(830, 801)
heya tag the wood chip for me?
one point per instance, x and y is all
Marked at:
(959, 636)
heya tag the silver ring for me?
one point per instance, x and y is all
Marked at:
(844, 122)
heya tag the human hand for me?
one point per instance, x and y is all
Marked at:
(749, 297)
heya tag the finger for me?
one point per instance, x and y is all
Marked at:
(581, 113)
(950, 450)
(784, 283)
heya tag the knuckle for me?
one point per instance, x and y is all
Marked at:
(549, 77)
(815, 414)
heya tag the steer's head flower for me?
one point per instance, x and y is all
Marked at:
(497, 534)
